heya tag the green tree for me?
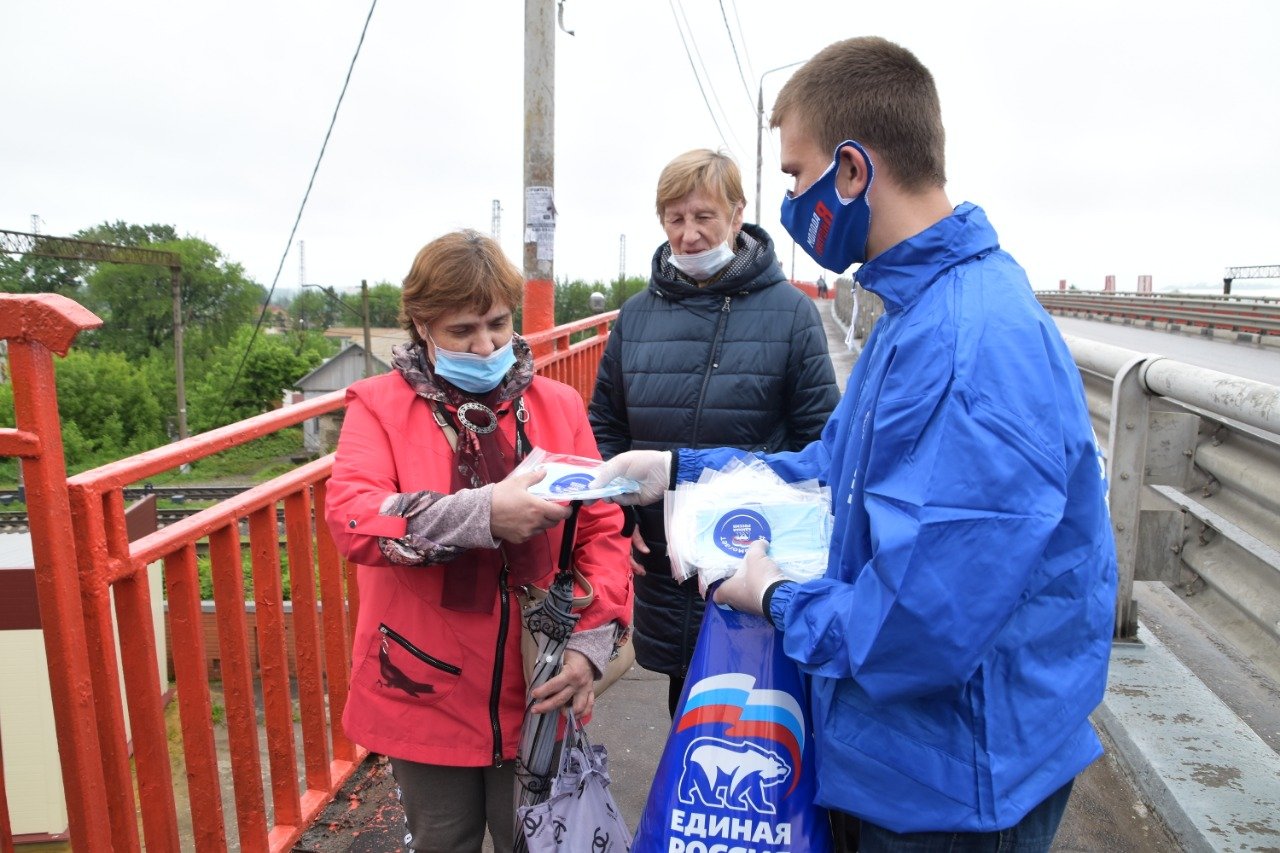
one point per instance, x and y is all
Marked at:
(314, 310)
(38, 274)
(384, 305)
(135, 302)
(272, 365)
(121, 233)
(573, 298)
(110, 403)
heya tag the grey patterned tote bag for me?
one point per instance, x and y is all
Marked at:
(580, 816)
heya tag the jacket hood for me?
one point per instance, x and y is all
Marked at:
(900, 274)
(761, 269)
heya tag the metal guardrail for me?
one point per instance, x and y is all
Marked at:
(1194, 470)
(1239, 314)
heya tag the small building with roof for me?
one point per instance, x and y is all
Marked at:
(320, 435)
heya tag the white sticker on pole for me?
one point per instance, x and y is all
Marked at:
(540, 221)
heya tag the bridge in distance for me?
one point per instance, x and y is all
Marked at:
(1239, 359)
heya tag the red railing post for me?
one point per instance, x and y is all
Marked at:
(37, 326)
(89, 519)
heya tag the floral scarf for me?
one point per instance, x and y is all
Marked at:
(470, 576)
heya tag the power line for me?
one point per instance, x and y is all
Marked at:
(696, 78)
(743, 36)
(734, 45)
(707, 74)
(297, 219)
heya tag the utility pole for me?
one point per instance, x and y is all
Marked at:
(760, 129)
(622, 258)
(539, 165)
(495, 223)
(368, 342)
(175, 285)
(302, 263)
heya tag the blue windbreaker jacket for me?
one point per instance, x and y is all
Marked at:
(961, 635)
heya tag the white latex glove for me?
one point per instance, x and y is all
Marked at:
(744, 590)
(650, 468)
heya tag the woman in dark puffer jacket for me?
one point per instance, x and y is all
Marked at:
(719, 350)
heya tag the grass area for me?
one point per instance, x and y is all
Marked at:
(251, 463)
(255, 462)
(204, 567)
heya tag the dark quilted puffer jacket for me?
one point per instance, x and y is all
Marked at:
(740, 362)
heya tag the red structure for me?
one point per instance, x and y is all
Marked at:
(1110, 285)
(36, 327)
(1144, 284)
(90, 577)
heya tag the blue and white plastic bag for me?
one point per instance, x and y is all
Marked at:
(737, 770)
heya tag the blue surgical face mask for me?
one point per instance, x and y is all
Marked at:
(832, 229)
(477, 374)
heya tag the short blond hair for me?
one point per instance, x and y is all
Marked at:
(461, 271)
(701, 169)
(875, 92)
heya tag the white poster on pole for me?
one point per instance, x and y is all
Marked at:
(540, 221)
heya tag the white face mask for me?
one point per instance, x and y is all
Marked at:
(700, 266)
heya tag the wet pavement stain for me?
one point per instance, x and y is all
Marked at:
(1215, 775)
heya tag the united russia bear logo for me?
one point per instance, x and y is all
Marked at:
(731, 775)
(750, 760)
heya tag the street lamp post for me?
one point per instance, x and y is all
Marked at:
(760, 128)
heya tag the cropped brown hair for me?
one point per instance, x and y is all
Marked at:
(461, 271)
(877, 93)
(701, 169)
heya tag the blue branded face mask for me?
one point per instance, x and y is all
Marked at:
(477, 374)
(832, 229)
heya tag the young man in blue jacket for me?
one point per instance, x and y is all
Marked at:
(961, 634)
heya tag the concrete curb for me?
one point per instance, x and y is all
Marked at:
(1212, 780)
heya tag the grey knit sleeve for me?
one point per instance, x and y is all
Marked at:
(440, 527)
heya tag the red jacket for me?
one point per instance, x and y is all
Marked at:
(449, 711)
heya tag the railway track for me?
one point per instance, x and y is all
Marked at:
(15, 521)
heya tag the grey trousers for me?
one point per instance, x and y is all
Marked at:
(446, 809)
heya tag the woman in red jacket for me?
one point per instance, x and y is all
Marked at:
(421, 500)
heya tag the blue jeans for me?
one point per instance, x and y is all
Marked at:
(1033, 834)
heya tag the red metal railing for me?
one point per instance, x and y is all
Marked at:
(36, 327)
(111, 568)
(101, 583)
(574, 364)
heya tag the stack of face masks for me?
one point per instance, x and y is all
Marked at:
(711, 523)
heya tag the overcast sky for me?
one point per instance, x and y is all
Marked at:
(1101, 137)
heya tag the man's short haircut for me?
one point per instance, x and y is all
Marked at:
(877, 93)
(701, 169)
(461, 271)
